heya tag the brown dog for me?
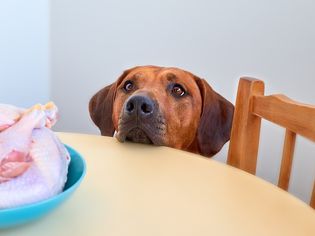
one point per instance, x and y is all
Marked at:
(164, 106)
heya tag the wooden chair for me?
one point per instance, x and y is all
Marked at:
(251, 105)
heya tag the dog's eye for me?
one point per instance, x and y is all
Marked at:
(128, 86)
(178, 90)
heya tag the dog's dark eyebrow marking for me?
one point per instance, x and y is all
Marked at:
(171, 77)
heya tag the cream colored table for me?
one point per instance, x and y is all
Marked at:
(132, 189)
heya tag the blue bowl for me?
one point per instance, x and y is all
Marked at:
(24, 214)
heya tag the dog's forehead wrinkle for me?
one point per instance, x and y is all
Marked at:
(138, 75)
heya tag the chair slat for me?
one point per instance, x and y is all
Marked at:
(287, 157)
(279, 109)
(243, 148)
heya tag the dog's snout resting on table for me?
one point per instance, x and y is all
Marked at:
(163, 106)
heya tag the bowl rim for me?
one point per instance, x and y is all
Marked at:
(36, 204)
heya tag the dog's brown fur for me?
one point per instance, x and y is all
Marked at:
(198, 122)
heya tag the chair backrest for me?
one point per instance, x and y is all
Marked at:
(252, 105)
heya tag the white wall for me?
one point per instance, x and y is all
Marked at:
(24, 52)
(220, 40)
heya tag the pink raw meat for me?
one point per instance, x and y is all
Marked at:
(31, 156)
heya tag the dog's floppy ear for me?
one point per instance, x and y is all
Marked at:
(101, 107)
(215, 122)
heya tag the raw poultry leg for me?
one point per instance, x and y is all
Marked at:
(45, 177)
(33, 162)
(15, 143)
(9, 114)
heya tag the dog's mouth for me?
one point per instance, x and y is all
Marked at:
(139, 136)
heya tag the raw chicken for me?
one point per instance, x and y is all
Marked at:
(9, 115)
(33, 162)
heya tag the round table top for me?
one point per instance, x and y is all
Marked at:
(134, 189)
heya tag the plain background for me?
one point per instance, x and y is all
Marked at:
(66, 50)
(24, 52)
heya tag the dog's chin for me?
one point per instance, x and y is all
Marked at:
(136, 135)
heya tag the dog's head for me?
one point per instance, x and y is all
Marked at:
(164, 106)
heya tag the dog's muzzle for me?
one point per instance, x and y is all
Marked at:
(140, 121)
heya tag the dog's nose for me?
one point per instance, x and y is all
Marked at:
(141, 105)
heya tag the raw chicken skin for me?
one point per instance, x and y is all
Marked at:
(9, 115)
(15, 144)
(33, 162)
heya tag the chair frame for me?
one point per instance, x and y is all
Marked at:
(251, 106)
